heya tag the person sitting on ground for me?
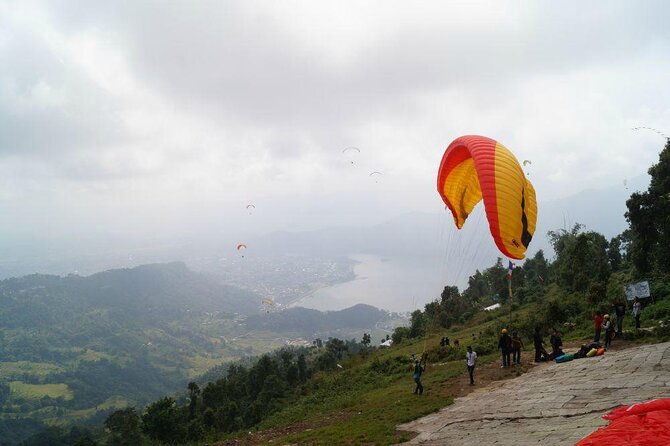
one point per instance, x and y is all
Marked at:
(505, 346)
(540, 353)
(556, 344)
(607, 325)
(471, 361)
(517, 345)
(598, 322)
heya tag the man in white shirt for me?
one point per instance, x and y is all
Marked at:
(471, 361)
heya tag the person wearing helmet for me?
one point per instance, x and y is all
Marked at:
(505, 347)
(598, 323)
(607, 325)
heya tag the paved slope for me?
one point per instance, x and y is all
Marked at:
(555, 404)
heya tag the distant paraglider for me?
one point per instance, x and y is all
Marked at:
(250, 208)
(268, 303)
(376, 175)
(351, 153)
(476, 168)
(240, 248)
(651, 129)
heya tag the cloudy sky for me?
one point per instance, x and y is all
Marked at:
(169, 117)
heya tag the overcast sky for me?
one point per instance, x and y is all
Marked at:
(169, 117)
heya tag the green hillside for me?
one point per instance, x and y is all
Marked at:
(75, 348)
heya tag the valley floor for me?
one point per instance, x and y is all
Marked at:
(555, 404)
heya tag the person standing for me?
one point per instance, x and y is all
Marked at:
(517, 345)
(540, 353)
(620, 311)
(471, 361)
(636, 311)
(607, 325)
(418, 370)
(597, 322)
(505, 346)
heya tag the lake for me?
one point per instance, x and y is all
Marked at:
(394, 284)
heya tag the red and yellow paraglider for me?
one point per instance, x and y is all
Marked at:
(476, 168)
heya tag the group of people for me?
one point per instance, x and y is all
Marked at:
(511, 346)
(603, 322)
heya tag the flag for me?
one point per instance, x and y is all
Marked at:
(509, 271)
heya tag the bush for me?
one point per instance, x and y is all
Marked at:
(399, 334)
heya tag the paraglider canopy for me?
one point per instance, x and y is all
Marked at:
(476, 168)
(350, 153)
(240, 247)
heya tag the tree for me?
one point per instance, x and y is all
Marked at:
(337, 347)
(366, 339)
(193, 393)
(418, 324)
(581, 258)
(302, 368)
(124, 427)
(649, 218)
(163, 421)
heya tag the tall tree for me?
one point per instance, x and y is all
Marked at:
(649, 218)
(124, 427)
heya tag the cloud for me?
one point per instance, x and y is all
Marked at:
(151, 105)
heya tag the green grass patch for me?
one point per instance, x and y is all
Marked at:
(10, 370)
(19, 389)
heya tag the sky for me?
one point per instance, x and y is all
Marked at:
(167, 118)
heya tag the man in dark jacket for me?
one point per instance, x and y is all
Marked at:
(620, 311)
(556, 344)
(505, 347)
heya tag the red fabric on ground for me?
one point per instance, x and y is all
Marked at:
(644, 424)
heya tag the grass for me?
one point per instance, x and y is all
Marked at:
(21, 390)
(23, 368)
(364, 402)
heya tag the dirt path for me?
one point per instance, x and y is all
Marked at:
(552, 404)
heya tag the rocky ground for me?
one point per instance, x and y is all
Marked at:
(554, 404)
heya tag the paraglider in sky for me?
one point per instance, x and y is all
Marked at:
(652, 130)
(250, 208)
(350, 153)
(527, 162)
(376, 175)
(476, 168)
(240, 248)
(268, 303)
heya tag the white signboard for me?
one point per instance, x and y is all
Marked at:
(640, 289)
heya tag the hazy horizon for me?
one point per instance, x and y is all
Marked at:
(148, 121)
